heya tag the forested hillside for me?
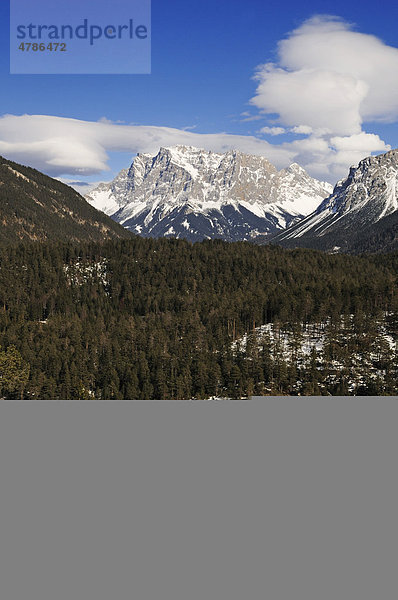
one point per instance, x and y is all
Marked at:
(36, 207)
(146, 318)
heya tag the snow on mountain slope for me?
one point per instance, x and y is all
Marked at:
(192, 193)
(356, 206)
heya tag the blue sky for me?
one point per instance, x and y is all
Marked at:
(204, 55)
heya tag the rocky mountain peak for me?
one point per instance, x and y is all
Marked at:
(195, 193)
(367, 195)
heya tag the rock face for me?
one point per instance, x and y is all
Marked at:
(361, 207)
(190, 193)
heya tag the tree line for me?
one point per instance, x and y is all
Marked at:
(146, 318)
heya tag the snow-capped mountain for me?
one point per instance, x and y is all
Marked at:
(195, 194)
(361, 205)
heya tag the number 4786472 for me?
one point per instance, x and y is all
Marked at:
(51, 47)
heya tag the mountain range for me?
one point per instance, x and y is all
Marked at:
(186, 192)
(189, 193)
(166, 318)
(360, 214)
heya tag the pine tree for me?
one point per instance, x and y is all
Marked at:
(14, 373)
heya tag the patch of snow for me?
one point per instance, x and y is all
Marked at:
(104, 201)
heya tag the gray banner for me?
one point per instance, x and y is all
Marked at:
(276, 498)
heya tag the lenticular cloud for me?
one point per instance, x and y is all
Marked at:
(329, 76)
(327, 83)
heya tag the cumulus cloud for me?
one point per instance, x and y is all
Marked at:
(329, 76)
(328, 81)
(62, 146)
(330, 157)
(315, 98)
(273, 130)
(302, 129)
(329, 44)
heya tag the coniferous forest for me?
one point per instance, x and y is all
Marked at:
(167, 319)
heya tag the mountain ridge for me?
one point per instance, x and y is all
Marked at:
(35, 207)
(183, 191)
(360, 208)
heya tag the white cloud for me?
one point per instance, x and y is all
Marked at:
(314, 98)
(302, 129)
(331, 77)
(60, 146)
(350, 150)
(109, 121)
(249, 117)
(330, 158)
(83, 187)
(327, 82)
(273, 130)
(329, 44)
